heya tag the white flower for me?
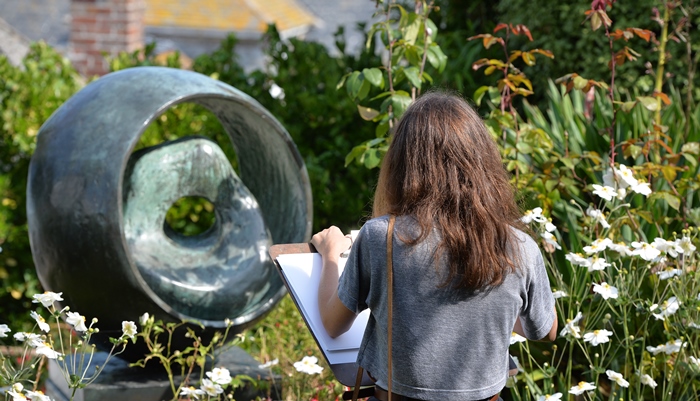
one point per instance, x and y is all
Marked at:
(642, 188)
(129, 329)
(517, 363)
(694, 325)
(559, 294)
(144, 319)
(4, 329)
(627, 176)
(604, 192)
(597, 263)
(16, 395)
(46, 350)
(76, 320)
(672, 248)
(621, 248)
(598, 245)
(668, 308)
(577, 259)
(668, 273)
(191, 392)
(47, 298)
(596, 337)
(668, 348)
(648, 381)
(33, 340)
(605, 290)
(571, 327)
(645, 251)
(550, 239)
(276, 91)
(617, 378)
(550, 397)
(597, 217)
(549, 227)
(695, 361)
(534, 215)
(220, 376)
(269, 364)
(212, 389)
(516, 338)
(686, 245)
(37, 396)
(308, 365)
(581, 387)
(40, 321)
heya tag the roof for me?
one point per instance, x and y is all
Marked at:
(12, 43)
(250, 16)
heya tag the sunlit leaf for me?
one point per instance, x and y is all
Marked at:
(648, 102)
(691, 147)
(374, 76)
(367, 113)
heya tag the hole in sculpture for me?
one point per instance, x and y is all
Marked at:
(191, 216)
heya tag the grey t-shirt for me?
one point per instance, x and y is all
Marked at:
(447, 344)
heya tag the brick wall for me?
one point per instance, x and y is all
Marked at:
(103, 26)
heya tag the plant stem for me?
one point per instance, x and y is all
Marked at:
(662, 62)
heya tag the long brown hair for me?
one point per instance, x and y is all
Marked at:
(444, 169)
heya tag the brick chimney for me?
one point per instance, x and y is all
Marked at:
(103, 26)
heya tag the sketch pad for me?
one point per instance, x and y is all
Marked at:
(300, 267)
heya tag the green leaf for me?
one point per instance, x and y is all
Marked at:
(479, 94)
(342, 81)
(354, 84)
(524, 147)
(632, 151)
(364, 90)
(580, 83)
(367, 114)
(374, 76)
(672, 200)
(410, 33)
(650, 103)
(372, 158)
(691, 159)
(494, 95)
(400, 101)
(382, 129)
(435, 53)
(433, 29)
(413, 75)
(355, 153)
(627, 106)
(427, 77)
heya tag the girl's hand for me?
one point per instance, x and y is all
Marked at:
(331, 242)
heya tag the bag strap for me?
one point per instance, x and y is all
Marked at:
(390, 286)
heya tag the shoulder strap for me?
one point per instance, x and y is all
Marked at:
(390, 285)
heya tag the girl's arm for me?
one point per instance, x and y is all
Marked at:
(336, 317)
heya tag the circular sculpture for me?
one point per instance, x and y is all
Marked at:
(96, 212)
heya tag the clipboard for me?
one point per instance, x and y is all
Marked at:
(345, 373)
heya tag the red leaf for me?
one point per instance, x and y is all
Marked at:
(642, 33)
(499, 27)
(521, 29)
(664, 98)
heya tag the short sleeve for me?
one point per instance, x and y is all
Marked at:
(353, 285)
(538, 313)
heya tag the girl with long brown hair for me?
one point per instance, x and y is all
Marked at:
(465, 274)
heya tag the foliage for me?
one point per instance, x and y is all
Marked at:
(28, 95)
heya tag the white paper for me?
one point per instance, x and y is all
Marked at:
(303, 273)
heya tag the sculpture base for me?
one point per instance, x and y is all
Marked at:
(119, 382)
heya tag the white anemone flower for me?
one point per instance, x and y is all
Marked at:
(597, 216)
(621, 248)
(76, 320)
(46, 350)
(686, 245)
(144, 319)
(533, 215)
(129, 329)
(308, 365)
(33, 340)
(516, 338)
(669, 273)
(597, 337)
(577, 259)
(669, 348)
(220, 376)
(269, 364)
(617, 378)
(37, 396)
(599, 245)
(549, 227)
(672, 248)
(596, 264)
(605, 192)
(212, 389)
(16, 395)
(550, 397)
(648, 380)
(551, 239)
(642, 188)
(581, 387)
(695, 361)
(627, 176)
(4, 329)
(559, 294)
(645, 251)
(667, 308)
(47, 298)
(571, 327)
(605, 290)
(191, 392)
(40, 321)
